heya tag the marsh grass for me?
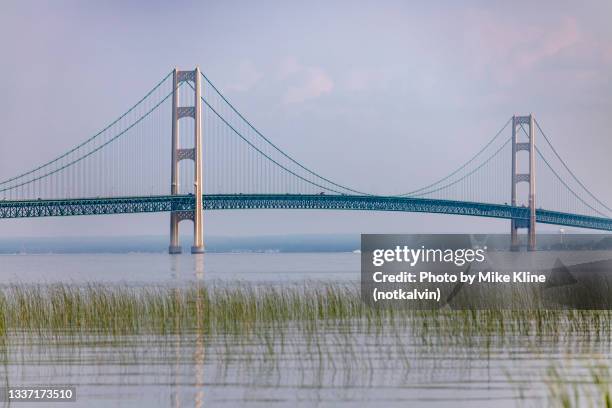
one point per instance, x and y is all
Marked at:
(114, 310)
(320, 329)
(244, 309)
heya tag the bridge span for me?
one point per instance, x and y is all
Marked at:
(184, 148)
(187, 203)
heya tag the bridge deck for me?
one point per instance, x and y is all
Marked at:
(126, 205)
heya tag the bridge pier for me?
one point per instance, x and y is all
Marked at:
(529, 146)
(194, 154)
(175, 247)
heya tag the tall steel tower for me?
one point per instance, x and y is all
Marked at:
(529, 177)
(194, 153)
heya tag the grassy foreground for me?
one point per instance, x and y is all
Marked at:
(246, 309)
(263, 318)
(124, 310)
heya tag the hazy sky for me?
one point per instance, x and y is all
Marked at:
(412, 88)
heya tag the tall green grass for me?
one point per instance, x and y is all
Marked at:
(124, 310)
(246, 309)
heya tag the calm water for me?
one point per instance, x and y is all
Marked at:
(354, 370)
(162, 269)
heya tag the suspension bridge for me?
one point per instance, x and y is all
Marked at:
(184, 148)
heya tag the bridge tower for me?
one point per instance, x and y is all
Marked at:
(194, 153)
(529, 146)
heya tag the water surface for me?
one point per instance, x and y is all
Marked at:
(340, 367)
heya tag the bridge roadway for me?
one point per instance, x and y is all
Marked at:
(128, 205)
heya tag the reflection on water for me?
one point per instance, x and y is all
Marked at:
(199, 341)
(336, 368)
(335, 365)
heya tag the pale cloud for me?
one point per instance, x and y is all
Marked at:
(515, 47)
(549, 43)
(246, 77)
(306, 82)
(510, 50)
